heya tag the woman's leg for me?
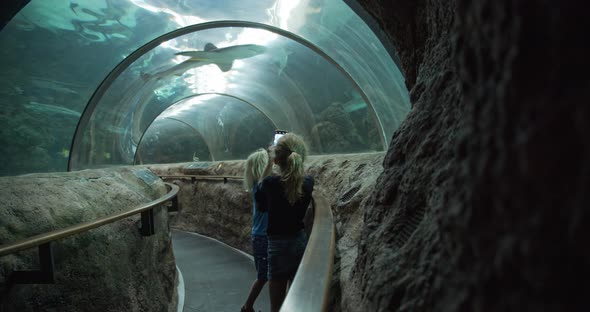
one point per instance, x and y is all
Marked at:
(260, 248)
(277, 289)
(254, 292)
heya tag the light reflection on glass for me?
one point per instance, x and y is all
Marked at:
(204, 79)
(181, 20)
(185, 106)
(292, 14)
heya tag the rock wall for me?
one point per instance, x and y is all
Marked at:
(214, 208)
(485, 184)
(224, 210)
(347, 181)
(110, 268)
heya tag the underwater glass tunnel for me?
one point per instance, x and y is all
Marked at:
(98, 83)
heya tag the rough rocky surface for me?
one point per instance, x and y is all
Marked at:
(347, 181)
(218, 209)
(110, 268)
(482, 203)
(224, 211)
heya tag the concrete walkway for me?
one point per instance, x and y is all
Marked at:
(216, 276)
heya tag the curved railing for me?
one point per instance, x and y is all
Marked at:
(43, 241)
(202, 177)
(308, 292)
(310, 289)
(83, 227)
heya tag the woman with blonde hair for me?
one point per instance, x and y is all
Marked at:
(285, 197)
(256, 164)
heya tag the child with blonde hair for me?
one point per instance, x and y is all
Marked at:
(254, 171)
(285, 197)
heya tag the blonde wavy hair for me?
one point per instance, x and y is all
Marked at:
(255, 165)
(290, 154)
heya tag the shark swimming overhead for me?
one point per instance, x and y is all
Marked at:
(222, 57)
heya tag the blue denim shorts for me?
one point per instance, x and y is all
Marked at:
(284, 255)
(260, 250)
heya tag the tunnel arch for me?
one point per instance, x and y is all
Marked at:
(74, 162)
(184, 101)
(47, 96)
(140, 160)
(253, 105)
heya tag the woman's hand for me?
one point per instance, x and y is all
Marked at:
(268, 168)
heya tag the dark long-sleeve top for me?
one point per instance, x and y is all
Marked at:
(284, 219)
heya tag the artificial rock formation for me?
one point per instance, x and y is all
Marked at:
(223, 210)
(215, 208)
(482, 202)
(347, 181)
(110, 268)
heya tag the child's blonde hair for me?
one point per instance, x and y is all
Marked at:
(290, 155)
(255, 165)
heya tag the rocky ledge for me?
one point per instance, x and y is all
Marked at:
(110, 268)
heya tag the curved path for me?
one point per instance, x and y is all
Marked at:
(216, 276)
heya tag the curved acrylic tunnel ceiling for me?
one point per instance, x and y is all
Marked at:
(336, 115)
(228, 128)
(169, 141)
(61, 51)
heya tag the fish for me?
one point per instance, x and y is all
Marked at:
(19, 90)
(65, 153)
(52, 84)
(354, 106)
(92, 13)
(48, 108)
(73, 7)
(222, 57)
(64, 90)
(23, 23)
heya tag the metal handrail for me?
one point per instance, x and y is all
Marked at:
(83, 227)
(310, 289)
(311, 286)
(201, 177)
